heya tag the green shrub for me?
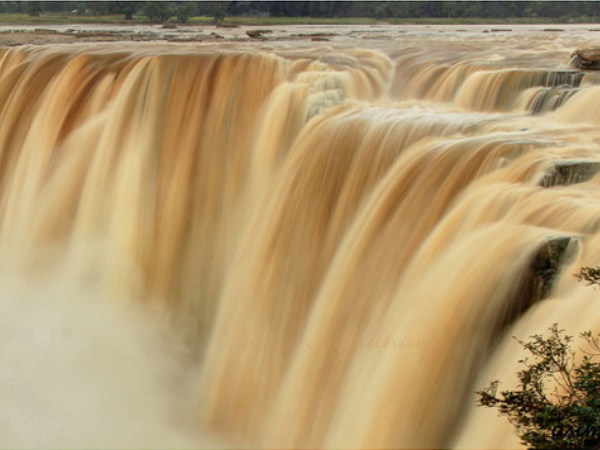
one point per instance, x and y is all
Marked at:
(557, 401)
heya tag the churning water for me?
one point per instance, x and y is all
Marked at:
(281, 245)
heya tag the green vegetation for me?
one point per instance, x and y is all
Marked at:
(34, 8)
(265, 21)
(300, 12)
(589, 276)
(46, 18)
(557, 402)
(157, 11)
(218, 11)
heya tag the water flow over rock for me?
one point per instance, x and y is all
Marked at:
(341, 250)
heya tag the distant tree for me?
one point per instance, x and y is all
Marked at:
(97, 8)
(35, 8)
(316, 8)
(471, 9)
(128, 9)
(217, 10)
(157, 11)
(239, 8)
(185, 10)
(59, 7)
(382, 10)
(14, 7)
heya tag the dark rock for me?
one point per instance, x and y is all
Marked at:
(560, 78)
(546, 265)
(317, 34)
(549, 99)
(46, 30)
(537, 282)
(188, 38)
(257, 34)
(254, 34)
(586, 59)
(567, 172)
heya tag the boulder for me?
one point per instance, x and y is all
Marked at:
(586, 59)
(257, 34)
(566, 172)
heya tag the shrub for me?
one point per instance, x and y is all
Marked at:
(557, 401)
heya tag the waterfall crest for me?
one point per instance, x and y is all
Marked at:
(336, 244)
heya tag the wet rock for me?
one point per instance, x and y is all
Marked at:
(46, 31)
(257, 34)
(552, 255)
(549, 99)
(319, 35)
(169, 26)
(586, 59)
(196, 38)
(564, 173)
(561, 78)
(546, 265)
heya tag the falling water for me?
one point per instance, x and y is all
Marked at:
(287, 246)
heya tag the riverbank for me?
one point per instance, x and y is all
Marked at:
(118, 19)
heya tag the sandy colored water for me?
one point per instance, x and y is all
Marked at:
(317, 238)
(69, 33)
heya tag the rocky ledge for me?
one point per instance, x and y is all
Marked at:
(586, 59)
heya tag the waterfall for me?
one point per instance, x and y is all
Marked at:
(280, 246)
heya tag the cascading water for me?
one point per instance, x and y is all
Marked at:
(284, 246)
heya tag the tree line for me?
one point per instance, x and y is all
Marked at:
(370, 9)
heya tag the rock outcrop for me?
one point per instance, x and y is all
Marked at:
(586, 59)
(567, 172)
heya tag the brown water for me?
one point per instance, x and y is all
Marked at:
(280, 245)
